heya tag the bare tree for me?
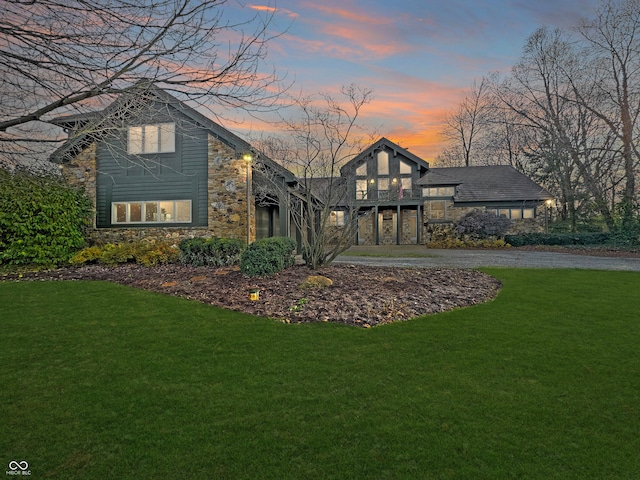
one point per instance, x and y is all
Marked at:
(542, 91)
(69, 56)
(468, 124)
(316, 144)
(613, 39)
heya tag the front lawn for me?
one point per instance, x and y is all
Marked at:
(104, 381)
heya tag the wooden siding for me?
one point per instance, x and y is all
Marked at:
(180, 175)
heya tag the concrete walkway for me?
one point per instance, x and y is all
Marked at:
(419, 256)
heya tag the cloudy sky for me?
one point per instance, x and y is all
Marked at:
(417, 55)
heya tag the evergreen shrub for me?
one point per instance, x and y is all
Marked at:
(43, 220)
(560, 239)
(215, 252)
(268, 256)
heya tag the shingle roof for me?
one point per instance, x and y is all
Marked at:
(486, 184)
(72, 146)
(383, 142)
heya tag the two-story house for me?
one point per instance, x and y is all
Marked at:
(410, 203)
(157, 168)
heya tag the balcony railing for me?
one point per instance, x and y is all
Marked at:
(384, 195)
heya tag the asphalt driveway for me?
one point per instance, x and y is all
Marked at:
(419, 256)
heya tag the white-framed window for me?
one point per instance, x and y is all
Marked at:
(158, 138)
(438, 192)
(513, 213)
(161, 211)
(336, 218)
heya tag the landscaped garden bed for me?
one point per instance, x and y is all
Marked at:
(359, 295)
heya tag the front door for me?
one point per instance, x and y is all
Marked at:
(387, 227)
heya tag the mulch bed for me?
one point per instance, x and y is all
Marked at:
(360, 295)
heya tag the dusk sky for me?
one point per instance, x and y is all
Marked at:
(417, 55)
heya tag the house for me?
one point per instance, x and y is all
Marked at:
(410, 203)
(157, 168)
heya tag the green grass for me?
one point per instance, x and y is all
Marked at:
(103, 381)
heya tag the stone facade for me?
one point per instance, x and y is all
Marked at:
(441, 230)
(81, 173)
(101, 236)
(227, 183)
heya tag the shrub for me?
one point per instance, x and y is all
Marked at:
(560, 239)
(215, 252)
(482, 224)
(42, 220)
(143, 253)
(457, 243)
(268, 256)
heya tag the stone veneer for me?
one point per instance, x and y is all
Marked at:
(226, 191)
(81, 173)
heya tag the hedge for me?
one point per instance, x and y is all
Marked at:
(215, 252)
(42, 220)
(557, 239)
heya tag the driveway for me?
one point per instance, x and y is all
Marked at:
(419, 256)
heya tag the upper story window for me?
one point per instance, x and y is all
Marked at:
(383, 163)
(405, 168)
(438, 192)
(158, 138)
(361, 171)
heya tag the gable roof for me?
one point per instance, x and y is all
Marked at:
(492, 183)
(382, 142)
(96, 121)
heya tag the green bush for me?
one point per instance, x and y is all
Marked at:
(142, 253)
(215, 252)
(561, 239)
(43, 221)
(268, 256)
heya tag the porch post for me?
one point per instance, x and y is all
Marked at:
(398, 226)
(375, 225)
(419, 224)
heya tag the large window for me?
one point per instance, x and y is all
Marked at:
(171, 211)
(513, 213)
(383, 163)
(437, 210)
(159, 138)
(438, 192)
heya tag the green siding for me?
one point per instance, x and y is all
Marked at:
(181, 175)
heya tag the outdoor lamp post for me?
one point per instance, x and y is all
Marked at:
(247, 157)
(547, 206)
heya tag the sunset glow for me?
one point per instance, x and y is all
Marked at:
(417, 57)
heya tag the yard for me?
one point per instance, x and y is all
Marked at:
(106, 381)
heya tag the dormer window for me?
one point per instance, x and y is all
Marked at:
(158, 138)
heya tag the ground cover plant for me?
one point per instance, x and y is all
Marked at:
(104, 381)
